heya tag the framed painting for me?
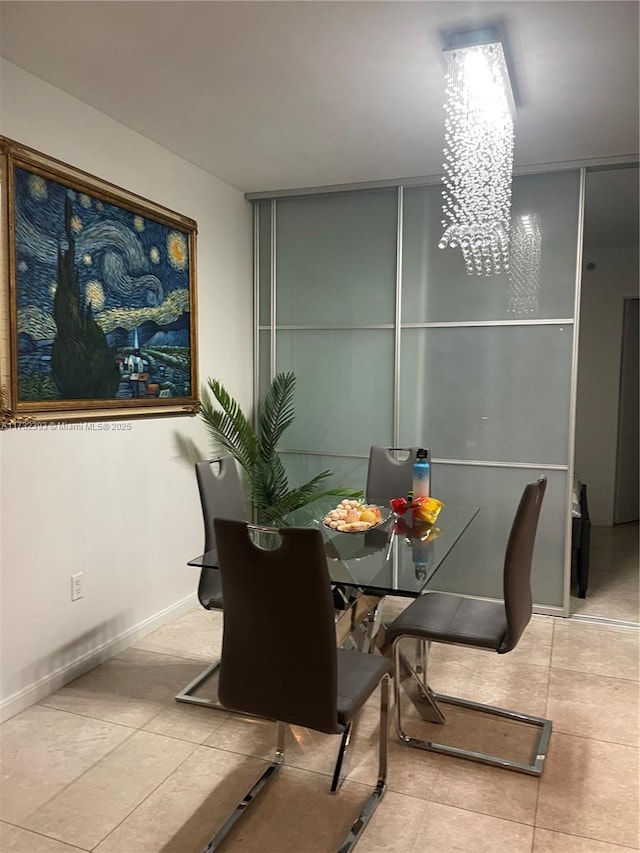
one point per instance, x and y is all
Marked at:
(99, 320)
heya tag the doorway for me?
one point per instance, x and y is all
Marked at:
(606, 435)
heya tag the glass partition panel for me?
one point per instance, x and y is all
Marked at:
(264, 261)
(336, 259)
(348, 472)
(344, 388)
(491, 393)
(475, 565)
(541, 279)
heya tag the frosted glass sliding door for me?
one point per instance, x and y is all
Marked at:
(436, 287)
(336, 259)
(474, 567)
(344, 382)
(488, 393)
(392, 343)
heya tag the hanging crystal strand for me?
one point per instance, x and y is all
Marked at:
(478, 153)
(524, 272)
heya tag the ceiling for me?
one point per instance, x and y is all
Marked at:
(276, 95)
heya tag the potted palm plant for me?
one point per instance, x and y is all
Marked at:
(255, 449)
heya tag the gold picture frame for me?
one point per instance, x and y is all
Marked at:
(99, 302)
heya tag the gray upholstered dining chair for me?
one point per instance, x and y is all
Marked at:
(491, 625)
(221, 496)
(390, 475)
(279, 654)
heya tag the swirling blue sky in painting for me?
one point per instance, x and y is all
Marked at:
(125, 261)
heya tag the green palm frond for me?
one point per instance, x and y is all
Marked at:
(271, 483)
(265, 474)
(228, 426)
(276, 414)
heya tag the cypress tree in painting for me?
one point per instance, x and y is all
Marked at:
(82, 365)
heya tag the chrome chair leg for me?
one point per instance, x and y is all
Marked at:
(539, 752)
(378, 793)
(369, 807)
(373, 624)
(421, 660)
(251, 794)
(342, 763)
(185, 694)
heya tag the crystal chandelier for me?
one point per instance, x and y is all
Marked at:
(478, 155)
(524, 269)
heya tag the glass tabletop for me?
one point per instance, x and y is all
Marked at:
(399, 557)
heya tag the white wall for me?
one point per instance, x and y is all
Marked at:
(120, 506)
(601, 308)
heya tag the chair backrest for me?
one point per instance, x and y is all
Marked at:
(221, 495)
(279, 654)
(389, 476)
(518, 600)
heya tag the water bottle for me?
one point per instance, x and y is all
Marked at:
(421, 475)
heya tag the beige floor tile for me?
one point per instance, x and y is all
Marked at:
(92, 806)
(445, 829)
(246, 736)
(614, 587)
(620, 566)
(608, 603)
(297, 814)
(184, 812)
(594, 706)
(488, 677)
(293, 813)
(412, 772)
(473, 730)
(545, 841)
(488, 790)
(394, 825)
(614, 575)
(304, 748)
(590, 788)
(14, 839)
(619, 537)
(534, 646)
(173, 799)
(596, 649)
(187, 722)
(131, 688)
(196, 635)
(43, 750)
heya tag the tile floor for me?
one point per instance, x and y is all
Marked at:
(111, 763)
(614, 580)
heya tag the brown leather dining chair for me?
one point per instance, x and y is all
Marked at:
(280, 660)
(494, 626)
(221, 496)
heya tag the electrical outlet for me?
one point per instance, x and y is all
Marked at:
(77, 590)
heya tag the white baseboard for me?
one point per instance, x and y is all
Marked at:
(32, 693)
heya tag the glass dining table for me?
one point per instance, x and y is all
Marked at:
(399, 557)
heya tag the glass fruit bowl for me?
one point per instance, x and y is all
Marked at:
(351, 516)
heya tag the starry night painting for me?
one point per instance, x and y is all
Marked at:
(102, 295)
